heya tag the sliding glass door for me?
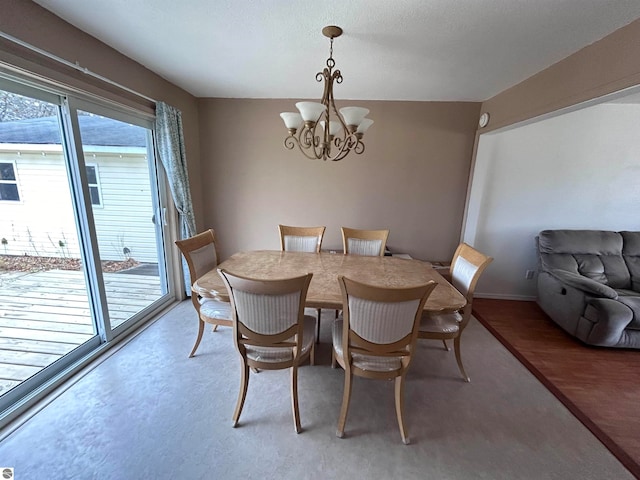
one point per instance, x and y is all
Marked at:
(126, 216)
(46, 313)
(82, 240)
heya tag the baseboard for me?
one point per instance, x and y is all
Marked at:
(498, 296)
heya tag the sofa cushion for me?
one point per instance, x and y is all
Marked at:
(594, 254)
(628, 293)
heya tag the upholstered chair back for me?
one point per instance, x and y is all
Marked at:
(381, 322)
(267, 314)
(364, 242)
(466, 267)
(200, 252)
(301, 239)
(358, 246)
(294, 243)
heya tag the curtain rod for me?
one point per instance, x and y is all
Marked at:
(75, 66)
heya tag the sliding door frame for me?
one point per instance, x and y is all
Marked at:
(19, 399)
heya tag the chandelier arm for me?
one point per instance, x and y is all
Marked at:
(337, 76)
(307, 143)
(346, 146)
(310, 152)
(290, 142)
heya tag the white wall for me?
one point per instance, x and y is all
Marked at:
(579, 170)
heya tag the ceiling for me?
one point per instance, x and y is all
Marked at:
(465, 50)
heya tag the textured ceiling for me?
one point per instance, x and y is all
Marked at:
(467, 50)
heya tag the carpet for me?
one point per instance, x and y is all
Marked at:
(148, 411)
(599, 386)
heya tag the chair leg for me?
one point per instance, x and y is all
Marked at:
(215, 328)
(294, 398)
(318, 326)
(446, 347)
(346, 398)
(312, 355)
(244, 383)
(456, 347)
(200, 332)
(400, 408)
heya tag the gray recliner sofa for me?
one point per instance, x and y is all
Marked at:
(589, 284)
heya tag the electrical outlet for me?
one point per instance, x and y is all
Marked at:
(529, 274)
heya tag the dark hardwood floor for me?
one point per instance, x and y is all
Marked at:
(601, 387)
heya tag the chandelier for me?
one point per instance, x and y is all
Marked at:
(338, 133)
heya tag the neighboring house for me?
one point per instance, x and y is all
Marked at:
(36, 213)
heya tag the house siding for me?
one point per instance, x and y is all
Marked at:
(42, 222)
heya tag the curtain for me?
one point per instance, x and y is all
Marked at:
(171, 150)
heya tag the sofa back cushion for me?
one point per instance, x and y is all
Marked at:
(631, 255)
(596, 254)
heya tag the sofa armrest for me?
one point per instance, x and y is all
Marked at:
(584, 283)
(611, 319)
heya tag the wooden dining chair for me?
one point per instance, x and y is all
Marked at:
(466, 267)
(271, 331)
(201, 254)
(364, 242)
(376, 338)
(301, 239)
(370, 243)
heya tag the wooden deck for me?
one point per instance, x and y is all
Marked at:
(45, 315)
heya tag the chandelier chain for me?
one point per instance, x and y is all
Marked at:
(330, 61)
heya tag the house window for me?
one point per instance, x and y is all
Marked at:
(94, 186)
(8, 182)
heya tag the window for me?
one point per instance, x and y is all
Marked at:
(94, 186)
(8, 182)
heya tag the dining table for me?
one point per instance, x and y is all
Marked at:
(324, 290)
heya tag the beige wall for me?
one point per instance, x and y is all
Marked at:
(412, 177)
(606, 66)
